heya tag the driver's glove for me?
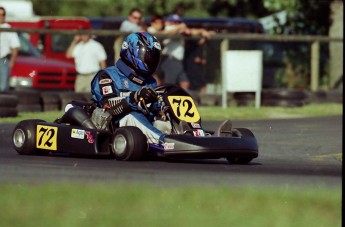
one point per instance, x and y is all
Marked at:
(145, 94)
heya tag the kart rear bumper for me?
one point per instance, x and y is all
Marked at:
(183, 146)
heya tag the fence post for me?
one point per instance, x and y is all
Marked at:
(224, 46)
(315, 65)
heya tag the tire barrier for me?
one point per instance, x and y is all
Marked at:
(244, 98)
(8, 105)
(284, 97)
(50, 101)
(274, 97)
(68, 97)
(28, 100)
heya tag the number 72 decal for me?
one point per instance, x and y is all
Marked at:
(184, 108)
(46, 137)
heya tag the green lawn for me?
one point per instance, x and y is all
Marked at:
(219, 113)
(124, 205)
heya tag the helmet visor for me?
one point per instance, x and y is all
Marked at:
(150, 57)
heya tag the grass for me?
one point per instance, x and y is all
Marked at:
(219, 113)
(146, 205)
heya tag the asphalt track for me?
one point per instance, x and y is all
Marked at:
(292, 153)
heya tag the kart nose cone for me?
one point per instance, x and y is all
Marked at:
(19, 138)
(119, 144)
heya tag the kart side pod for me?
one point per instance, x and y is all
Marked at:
(244, 147)
(39, 137)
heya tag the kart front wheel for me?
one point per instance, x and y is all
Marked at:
(129, 144)
(24, 137)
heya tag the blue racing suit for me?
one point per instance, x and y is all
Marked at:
(114, 85)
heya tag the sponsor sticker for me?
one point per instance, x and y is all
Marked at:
(105, 81)
(157, 45)
(89, 137)
(195, 125)
(199, 132)
(77, 133)
(136, 79)
(107, 90)
(169, 146)
(124, 45)
(125, 83)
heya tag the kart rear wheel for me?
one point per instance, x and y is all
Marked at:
(241, 132)
(129, 144)
(24, 138)
(239, 160)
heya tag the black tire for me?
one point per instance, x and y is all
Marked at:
(239, 160)
(284, 94)
(283, 102)
(27, 96)
(129, 144)
(29, 108)
(50, 101)
(68, 97)
(8, 112)
(244, 132)
(24, 137)
(7, 100)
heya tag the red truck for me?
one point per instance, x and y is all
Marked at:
(41, 63)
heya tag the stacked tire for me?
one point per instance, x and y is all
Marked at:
(284, 97)
(28, 100)
(274, 97)
(8, 105)
(244, 98)
(68, 97)
(50, 101)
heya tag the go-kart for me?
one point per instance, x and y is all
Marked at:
(187, 138)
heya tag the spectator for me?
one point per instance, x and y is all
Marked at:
(133, 23)
(89, 57)
(156, 24)
(172, 70)
(195, 60)
(9, 46)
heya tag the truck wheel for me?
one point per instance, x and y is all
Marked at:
(24, 137)
(129, 144)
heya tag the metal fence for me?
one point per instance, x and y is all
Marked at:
(220, 43)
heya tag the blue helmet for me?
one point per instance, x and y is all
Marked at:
(141, 51)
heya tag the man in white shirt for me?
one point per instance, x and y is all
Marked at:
(9, 46)
(89, 57)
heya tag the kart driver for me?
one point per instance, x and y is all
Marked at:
(122, 89)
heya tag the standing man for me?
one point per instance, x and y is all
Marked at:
(89, 57)
(9, 46)
(172, 70)
(133, 23)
